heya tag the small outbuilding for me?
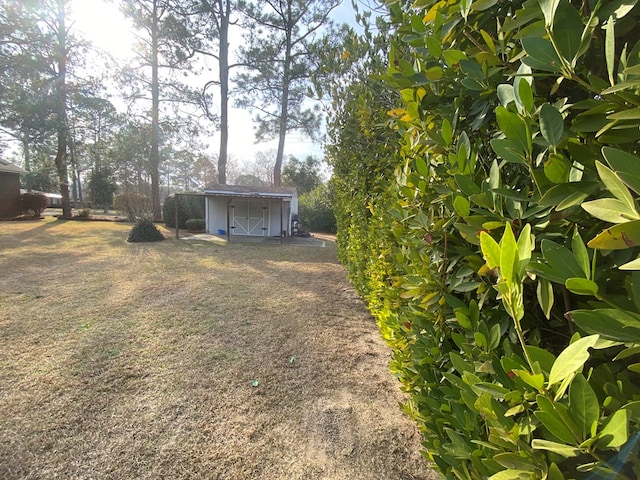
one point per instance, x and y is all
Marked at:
(9, 189)
(250, 211)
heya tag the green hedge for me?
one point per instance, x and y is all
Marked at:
(316, 212)
(191, 206)
(500, 258)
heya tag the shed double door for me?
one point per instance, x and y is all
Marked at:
(250, 217)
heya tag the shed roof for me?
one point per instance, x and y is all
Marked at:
(250, 191)
(8, 167)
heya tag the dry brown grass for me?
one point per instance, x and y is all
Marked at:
(136, 361)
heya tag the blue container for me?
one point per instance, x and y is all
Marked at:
(221, 232)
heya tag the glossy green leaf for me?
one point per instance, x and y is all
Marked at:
(490, 250)
(632, 265)
(447, 132)
(561, 260)
(554, 473)
(461, 206)
(551, 124)
(495, 391)
(630, 114)
(460, 364)
(559, 448)
(511, 475)
(515, 129)
(548, 8)
(553, 422)
(541, 55)
(525, 246)
(534, 380)
(567, 31)
(506, 94)
(556, 418)
(615, 186)
(567, 195)
(610, 48)
(557, 168)
(466, 185)
(580, 253)
(633, 409)
(618, 87)
(612, 324)
(508, 256)
(581, 286)
(616, 431)
(617, 8)
(571, 359)
(544, 293)
(515, 462)
(584, 406)
(626, 166)
(587, 35)
(452, 57)
(465, 8)
(522, 89)
(610, 210)
(507, 150)
(618, 237)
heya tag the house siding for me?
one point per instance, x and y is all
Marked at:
(217, 214)
(9, 195)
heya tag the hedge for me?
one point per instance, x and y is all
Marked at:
(191, 206)
(504, 272)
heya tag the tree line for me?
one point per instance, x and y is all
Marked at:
(55, 102)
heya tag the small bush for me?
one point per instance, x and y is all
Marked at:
(134, 205)
(84, 213)
(196, 225)
(145, 231)
(33, 203)
(190, 207)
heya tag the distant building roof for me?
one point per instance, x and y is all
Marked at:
(53, 196)
(250, 191)
(8, 167)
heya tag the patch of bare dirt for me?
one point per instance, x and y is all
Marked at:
(190, 360)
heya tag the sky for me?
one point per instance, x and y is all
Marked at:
(104, 25)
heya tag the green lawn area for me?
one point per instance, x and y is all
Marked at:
(189, 359)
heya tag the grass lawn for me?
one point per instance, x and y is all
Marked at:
(188, 360)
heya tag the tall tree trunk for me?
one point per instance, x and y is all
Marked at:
(27, 160)
(61, 154)
(154, 157)
(75, 177)
(284, 106)
(224, 8)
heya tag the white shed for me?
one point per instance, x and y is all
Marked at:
(250, 210)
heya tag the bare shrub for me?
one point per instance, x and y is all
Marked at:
(134, 205)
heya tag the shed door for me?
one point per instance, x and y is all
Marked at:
(250, 217)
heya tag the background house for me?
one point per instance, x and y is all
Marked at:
(9, 189)
(250, 210)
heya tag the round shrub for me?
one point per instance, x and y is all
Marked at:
(33, 203)
(145, 231)
(196, 225)
(191, 206)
